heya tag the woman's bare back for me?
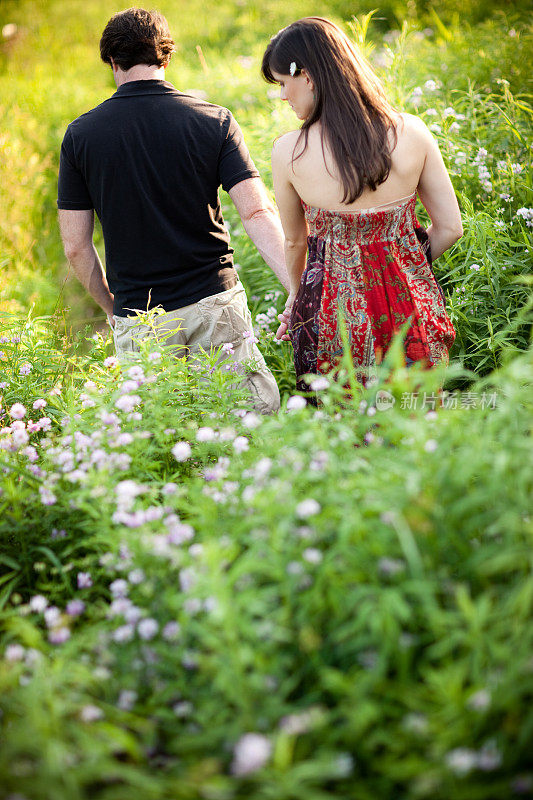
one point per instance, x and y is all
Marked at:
(315, 176)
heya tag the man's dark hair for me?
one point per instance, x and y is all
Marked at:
(136, 36)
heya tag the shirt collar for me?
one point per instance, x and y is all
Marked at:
(145, 87)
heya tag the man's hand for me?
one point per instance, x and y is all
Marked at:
(284, 318)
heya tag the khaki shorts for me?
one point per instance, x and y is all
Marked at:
(213, 321)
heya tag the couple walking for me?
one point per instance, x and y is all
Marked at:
(150, 161)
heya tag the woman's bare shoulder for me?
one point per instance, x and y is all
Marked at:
(412, 126)
(284, 145)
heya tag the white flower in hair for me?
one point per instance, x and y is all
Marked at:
(292, 69)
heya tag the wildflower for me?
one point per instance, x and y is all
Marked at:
(262, 468)
(241, 444)
(108, 418)
(251, 420)
(250, 337)
(147, 628)
(417, 92)
(38, 603)
(136, 577)
(17, 411)
(527, 215)
(344, 764)
(390, 566)
(19, 437)
(415, 723)
(48, 498)
(307, 508)
(181, 451)
(522, 784)
(119, 588)
(228, 348)
(169, 488)
(430, 85)
(127, 402)
(132, 614)
(59, 635)
(461, 760)
(171, 631)
(205, 434)
(319, 384)
(136, 373)
(187, 579)
(123, 634)
(111, 362)
(129, 386)
(183, 709)
(127, 699)
(296, 403)
(489, 757)
(192, 605)
(313, 555)
(517, 168)
(90, 713)
(122, 440)
(296, 724)
(84, 580)
(430, 446)
(75, 607)
(480, 700)
(251, 753)
(14, 652)
(25, 369)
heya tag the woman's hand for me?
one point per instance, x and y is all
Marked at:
(284, 319)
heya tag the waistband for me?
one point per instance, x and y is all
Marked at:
(365, 226)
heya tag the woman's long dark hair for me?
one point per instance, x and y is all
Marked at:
(350, 103)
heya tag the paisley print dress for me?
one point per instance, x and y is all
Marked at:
(375, 266)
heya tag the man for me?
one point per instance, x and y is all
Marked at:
(149, 161)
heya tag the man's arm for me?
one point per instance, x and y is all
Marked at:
(261, 223)
(77, 233)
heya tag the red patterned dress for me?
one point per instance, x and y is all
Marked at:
(376, 267)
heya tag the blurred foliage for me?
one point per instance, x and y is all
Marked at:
(353, 583)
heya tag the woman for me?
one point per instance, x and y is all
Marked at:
(346, 186)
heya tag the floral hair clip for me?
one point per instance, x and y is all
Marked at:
(293, 69)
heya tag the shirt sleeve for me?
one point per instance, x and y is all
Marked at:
(72, 191)
(235, 162)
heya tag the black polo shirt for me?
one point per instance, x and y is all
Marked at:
(149, 161)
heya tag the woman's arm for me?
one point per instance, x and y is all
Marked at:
(438, 197)
(292, 220)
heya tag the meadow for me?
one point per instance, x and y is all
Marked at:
(200, 603)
